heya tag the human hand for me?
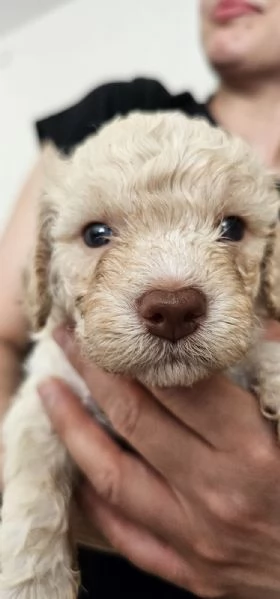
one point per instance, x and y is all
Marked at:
(199, 504)
(272, 330)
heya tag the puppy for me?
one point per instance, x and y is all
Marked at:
(159, 239)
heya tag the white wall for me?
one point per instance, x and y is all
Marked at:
(15, 12)
(55, 59)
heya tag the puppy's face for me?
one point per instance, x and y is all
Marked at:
(157, 231)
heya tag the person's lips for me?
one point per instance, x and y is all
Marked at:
(226, 10)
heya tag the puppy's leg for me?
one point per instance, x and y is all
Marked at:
(266, 379)
(36, 561)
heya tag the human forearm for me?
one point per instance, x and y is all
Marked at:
(10, 371)
(15, 247)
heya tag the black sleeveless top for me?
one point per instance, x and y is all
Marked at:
(73, 125)
(106, 576)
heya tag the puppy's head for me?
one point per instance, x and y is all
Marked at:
(152, 237)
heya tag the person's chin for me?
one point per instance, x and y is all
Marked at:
(227, 50)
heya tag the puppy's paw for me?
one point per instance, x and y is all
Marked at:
(270, 402)
(268, 393)
(266, 380)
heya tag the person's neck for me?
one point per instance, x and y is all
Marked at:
(254, 114)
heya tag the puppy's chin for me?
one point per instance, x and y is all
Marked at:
(166, 376)
(182, 371)
(176, 375)
(134, 353)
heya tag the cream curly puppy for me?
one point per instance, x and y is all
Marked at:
(159, 239)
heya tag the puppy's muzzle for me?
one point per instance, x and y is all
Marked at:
(172, 315)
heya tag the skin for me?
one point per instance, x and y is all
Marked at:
(14, 248)
(216, 480)
(217, 517)
(245, 52)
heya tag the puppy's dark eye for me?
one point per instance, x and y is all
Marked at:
(232, 228)
(96, 234)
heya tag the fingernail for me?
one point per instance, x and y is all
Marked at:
(49, 394)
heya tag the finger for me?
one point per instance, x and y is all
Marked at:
(223, 413)
(64, 337)
(272, 330)
(118, 477)
(219, 412)
(151, 553)
(126, 403)
(135, 542)
(159, 437)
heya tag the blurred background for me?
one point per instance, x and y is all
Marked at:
(52, 52)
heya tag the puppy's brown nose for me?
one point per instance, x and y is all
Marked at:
(172, 314)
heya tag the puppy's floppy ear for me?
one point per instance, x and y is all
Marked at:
(271, 275)
(38, 296)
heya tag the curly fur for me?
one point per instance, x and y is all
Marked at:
(163, 183)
